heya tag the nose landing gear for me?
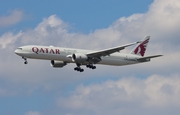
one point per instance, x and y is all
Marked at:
(25, 60)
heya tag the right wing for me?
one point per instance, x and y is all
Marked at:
(109, 51)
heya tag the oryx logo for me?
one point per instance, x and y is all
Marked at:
(140, 50)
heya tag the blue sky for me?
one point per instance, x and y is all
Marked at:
(39, 89)
(82, 15)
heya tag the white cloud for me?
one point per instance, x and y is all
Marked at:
(161, 22)
(14, 17)
(117, 97)
(163, 91)
(32, 113)
(9, 39)
(54, 31)
(4, 92)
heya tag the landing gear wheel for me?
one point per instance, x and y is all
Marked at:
(75, 68)
(25, 62)
(87, 66)
(93, 67)
(81, 70)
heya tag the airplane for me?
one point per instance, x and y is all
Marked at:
(60, 57)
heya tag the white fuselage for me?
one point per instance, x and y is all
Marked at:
(62, 54)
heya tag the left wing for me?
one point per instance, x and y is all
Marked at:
(109, 51)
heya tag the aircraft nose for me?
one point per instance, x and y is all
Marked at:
(16, 51)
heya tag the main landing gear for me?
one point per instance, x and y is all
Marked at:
(25, 60)
(78, 68)
(91, 66)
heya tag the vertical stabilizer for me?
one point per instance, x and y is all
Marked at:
(140, 49)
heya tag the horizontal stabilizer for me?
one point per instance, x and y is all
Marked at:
(148, 58)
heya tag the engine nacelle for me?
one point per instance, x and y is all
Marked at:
(80, 58)
(56, 63)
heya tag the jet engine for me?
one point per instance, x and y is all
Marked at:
(58, 64)
(79, 58)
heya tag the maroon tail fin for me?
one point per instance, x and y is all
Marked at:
(140, 49)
